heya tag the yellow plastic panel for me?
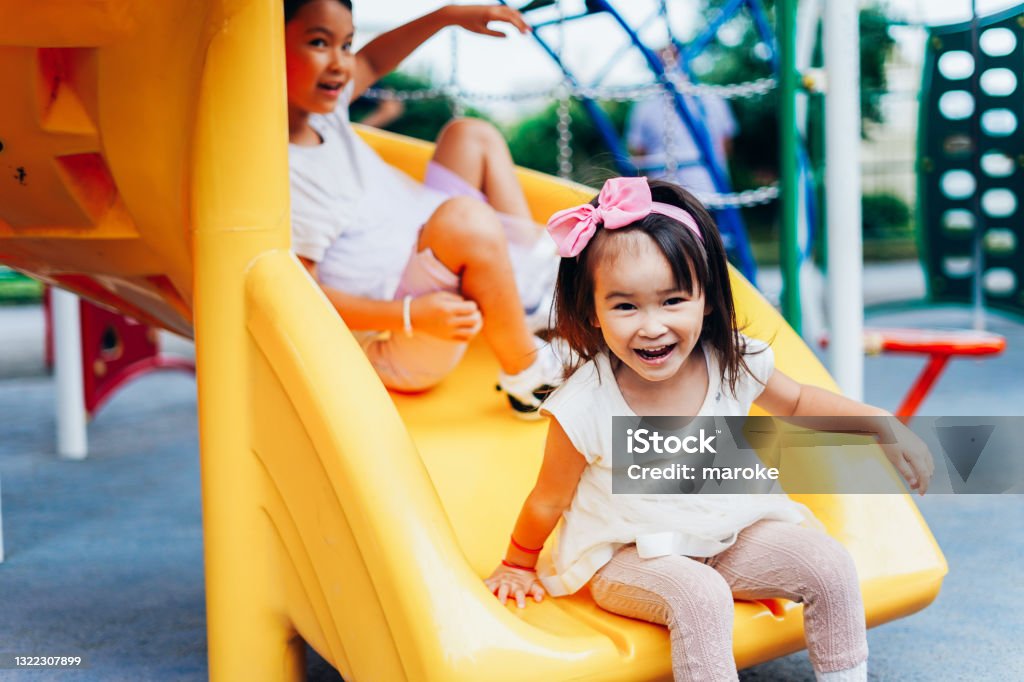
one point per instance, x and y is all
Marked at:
(96, 133)
(66, 23)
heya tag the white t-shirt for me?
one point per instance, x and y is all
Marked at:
(352, 213)
(646, 130)
(598, 522)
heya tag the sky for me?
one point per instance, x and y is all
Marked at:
(517, 63)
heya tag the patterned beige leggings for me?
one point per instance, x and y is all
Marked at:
(694, 597)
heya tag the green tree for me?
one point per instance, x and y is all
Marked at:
(422, 118)
(533, 142)
(756, 155)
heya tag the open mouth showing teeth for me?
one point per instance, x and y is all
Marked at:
(654, 353)
(330, 86)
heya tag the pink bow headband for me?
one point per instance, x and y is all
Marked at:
(622, 202)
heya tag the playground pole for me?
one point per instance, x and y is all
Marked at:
(977, 293)
(842, 191)
(789, 183)
(72, 441)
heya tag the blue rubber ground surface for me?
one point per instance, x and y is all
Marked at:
(104, 557)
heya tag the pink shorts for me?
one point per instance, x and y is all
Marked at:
(417, 363)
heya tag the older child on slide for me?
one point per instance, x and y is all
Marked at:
(415, 271)
(643, 298)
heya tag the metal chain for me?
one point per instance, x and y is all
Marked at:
(755, 88)
(452, 91)
(668, 137)
(564, 136)
(668, 108)
(564, 108)
(748, 197)
(565, 91)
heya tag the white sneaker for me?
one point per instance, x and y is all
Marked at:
(527, 389)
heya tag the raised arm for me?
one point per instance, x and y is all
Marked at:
(551, 495)
(385, 52)
(791, 400)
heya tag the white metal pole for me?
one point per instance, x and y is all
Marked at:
(842, 187)
(808, 15)
(1, 525)
(812, 280)
(67, 361)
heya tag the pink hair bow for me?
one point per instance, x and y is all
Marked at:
(622, 202)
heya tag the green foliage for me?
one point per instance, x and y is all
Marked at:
(740, 62)
(875, 47)
(755, 158)
(534, 142)
(755, 155)
(884, 215)
(17, 288)
(422, 119)
(756, 146)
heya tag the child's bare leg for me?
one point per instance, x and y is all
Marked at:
(477, 152)
(467, 237)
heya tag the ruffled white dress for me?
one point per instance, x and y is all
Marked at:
(599, 522)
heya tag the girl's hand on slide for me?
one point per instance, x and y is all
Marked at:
(911, 457)
(476, 17)
(446, 315)
(508, 582)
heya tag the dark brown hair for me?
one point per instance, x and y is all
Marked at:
(696, 266)
(293, 6)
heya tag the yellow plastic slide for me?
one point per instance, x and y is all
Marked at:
(143, 165)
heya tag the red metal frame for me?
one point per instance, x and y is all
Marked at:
(938, 345)
(115, 350)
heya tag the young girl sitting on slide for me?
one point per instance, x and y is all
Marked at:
(644, 300)
(415, 271)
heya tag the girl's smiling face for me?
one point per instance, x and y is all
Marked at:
(318, 56)
(646, 319)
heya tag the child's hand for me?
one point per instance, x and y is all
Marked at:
(515, 582)
(911, 457)
(476, 17)
(446, 315)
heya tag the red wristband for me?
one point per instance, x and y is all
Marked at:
(506, 562)
(524, 549)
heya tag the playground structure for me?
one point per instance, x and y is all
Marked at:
(969, 184)
(971, 152)
(674, 82)
(94, 352)
(671, 81)
(357, 521)
(115, 349)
